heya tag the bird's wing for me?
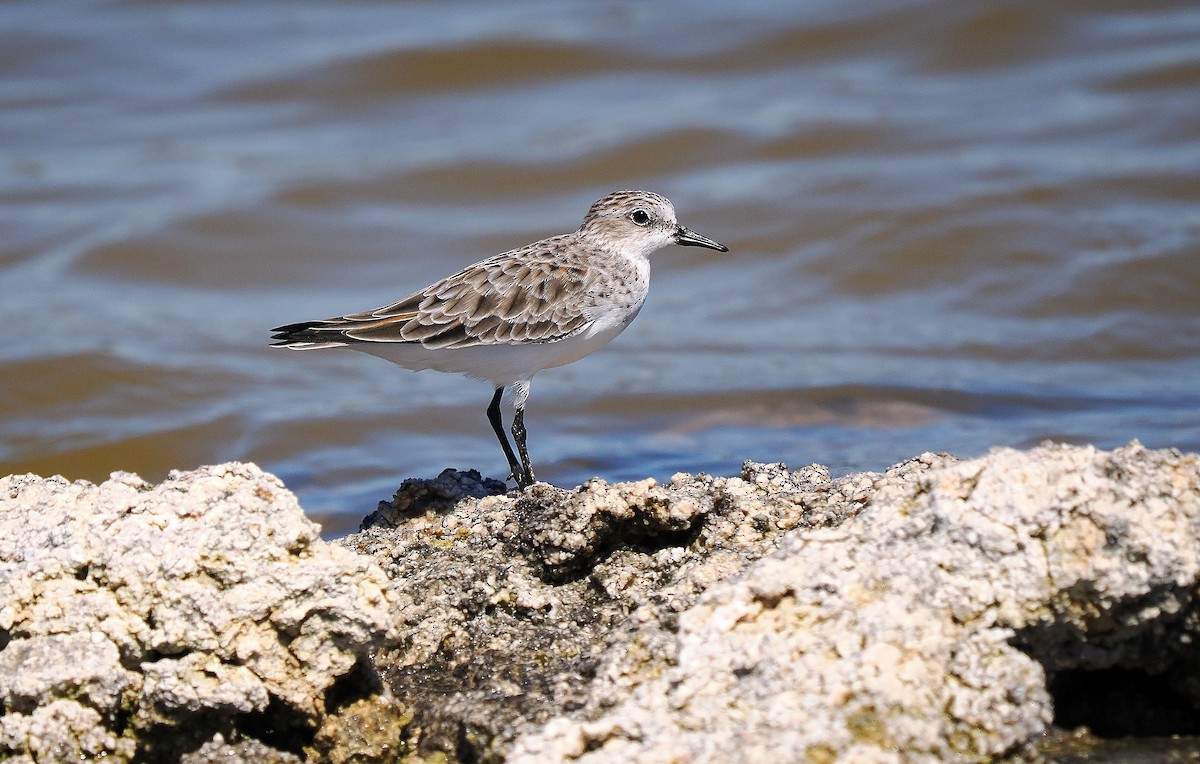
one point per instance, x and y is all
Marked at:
(526, 295)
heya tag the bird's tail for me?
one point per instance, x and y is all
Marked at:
(310, 335)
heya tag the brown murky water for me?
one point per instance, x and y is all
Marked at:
(954, 225)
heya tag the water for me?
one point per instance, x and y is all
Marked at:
(954, 225)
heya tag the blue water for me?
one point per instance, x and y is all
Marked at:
(953, 226)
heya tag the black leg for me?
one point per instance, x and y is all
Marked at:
(518, 431)
(493, 413)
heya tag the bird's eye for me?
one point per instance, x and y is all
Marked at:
(639, 217)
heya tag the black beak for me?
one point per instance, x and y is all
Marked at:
(688, 238)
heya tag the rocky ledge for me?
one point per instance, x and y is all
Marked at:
(941, 610)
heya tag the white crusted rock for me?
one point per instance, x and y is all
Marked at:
(891, 638)
(61, 730)
(206, 596)
(85, 666)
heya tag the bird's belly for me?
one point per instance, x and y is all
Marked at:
(586, 342)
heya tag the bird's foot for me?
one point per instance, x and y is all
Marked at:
(522, 478)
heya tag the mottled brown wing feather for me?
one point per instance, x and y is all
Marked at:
(509, 298)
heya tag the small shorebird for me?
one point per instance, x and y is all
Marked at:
(506, 318)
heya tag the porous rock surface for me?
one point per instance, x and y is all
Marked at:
(508, 605)
(785, 616)
(140, 620)
(907, 616)
(921, 630)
